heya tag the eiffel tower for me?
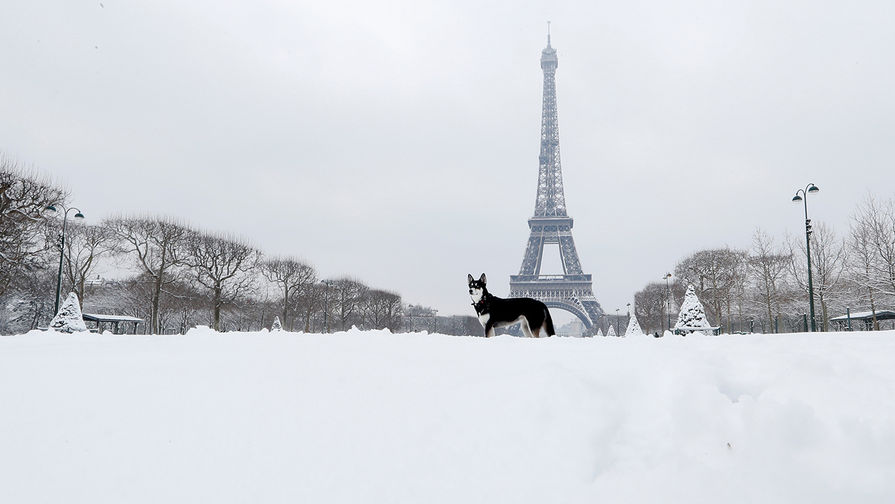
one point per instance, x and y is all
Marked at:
(551, 225)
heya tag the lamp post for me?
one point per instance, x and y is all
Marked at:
(51, 209)
(617, 333)
(802, 195)
(668, 299)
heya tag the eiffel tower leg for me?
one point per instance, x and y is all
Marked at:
(534, 252)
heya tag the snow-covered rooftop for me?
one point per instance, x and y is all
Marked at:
(880, 315)
(95, 317)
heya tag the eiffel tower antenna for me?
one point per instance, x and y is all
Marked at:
(571, 291)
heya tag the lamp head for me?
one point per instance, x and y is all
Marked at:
(796, 198)
(50, 210)
(79, 215)
(813, 188)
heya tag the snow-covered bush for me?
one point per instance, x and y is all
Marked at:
(633, 327)
(692, 317)
(69, 318)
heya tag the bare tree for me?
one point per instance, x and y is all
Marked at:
(881, 222)
(768, 269)
(348, 294)
(736, 293)
(183, 303)
(29, 301)
(292, 278)
(382, 309)
(158, 245)
(650, 306)
(84, 246)
(829, 257)
(221, 264)
(328, 299)
(310, 302)
(714, 274)
(863, 261)
(23, 199)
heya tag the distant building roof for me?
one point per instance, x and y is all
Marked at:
(94, 317)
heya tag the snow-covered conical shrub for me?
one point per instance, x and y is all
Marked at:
(69, 318)
(276, 326)
(611, 331)
(633, 327)
(599, 332)
(692, 317)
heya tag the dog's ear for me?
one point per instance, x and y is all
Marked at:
(469, 278)
(483, 279)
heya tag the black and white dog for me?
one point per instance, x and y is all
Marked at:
(495, 312)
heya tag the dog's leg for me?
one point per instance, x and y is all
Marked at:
(526, 329)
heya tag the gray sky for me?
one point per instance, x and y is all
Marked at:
(397, 141)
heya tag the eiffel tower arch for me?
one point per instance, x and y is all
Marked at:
(572, 290)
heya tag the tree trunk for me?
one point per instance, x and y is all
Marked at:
(153, 315)
(873, 309)
(285, 320)
(729, 322)
(81, 292)
(217, 307)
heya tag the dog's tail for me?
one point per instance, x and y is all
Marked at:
(548, 323)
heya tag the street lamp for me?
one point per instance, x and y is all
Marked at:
(802, 195)
(668, 299)
(617, 333)
(51, 210)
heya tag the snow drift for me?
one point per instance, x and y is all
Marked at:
(376, 417)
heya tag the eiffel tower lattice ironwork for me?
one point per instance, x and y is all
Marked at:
(573, 290)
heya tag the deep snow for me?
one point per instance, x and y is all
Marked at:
(375, 417)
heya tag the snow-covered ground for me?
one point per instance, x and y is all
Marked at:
(374, 417)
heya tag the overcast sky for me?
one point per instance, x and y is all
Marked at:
(397, 141)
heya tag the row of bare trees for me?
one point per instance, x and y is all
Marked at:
(180, 277)
(169, 274)
(765, 288)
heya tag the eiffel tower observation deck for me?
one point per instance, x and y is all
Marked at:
(572, 290)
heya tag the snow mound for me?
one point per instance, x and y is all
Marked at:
(354, 416)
